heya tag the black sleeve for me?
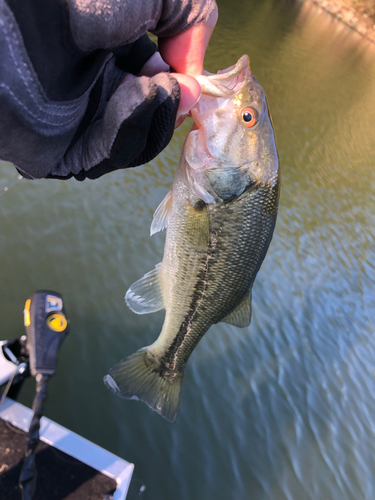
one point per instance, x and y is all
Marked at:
(100, 23)
(64, 69)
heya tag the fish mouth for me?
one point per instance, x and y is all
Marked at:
(226, 82)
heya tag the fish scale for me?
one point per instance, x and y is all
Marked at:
(220, 216)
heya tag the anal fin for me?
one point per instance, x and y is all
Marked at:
(145, 295)
(241, 314)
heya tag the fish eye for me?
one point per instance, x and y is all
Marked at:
(250, 117)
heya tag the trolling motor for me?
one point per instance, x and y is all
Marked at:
(46, 328)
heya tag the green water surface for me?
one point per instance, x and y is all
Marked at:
(284, 409)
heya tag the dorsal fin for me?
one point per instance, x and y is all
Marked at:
(241, 314)
(160, 220)
(146, 295)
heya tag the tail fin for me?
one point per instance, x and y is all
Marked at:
(137, 377)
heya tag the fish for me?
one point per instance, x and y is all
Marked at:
(220, 215)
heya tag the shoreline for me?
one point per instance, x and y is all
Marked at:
(355, 16)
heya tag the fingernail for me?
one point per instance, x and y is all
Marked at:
(187, 109)
(200, 95)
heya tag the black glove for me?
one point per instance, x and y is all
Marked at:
(64, 110)
(129, 127)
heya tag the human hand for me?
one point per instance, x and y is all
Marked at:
(185, 54)
(115, 125)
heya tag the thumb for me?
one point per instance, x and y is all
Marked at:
(190, 94)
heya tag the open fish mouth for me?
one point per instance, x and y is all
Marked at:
(226, 82)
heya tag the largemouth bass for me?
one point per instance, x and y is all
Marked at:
(220, 215)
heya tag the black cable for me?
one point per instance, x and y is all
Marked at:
(27, 481)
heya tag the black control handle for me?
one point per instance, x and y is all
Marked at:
(46, 328)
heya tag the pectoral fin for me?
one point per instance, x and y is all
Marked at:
(145, 295)
(161, 215)
(241, 315)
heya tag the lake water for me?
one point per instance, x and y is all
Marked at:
(285, 408)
